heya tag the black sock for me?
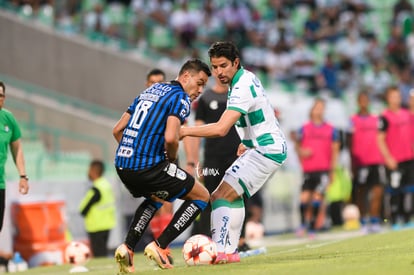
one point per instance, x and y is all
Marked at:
(303, 207)
(394, 207)
(183, 218)
(316, 205)
(407, 206)
(141, 220)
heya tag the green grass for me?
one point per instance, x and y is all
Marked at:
(332, 253)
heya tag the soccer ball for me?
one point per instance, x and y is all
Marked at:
(77, 253)
(350, 212)
(199, 250)
(254, 231)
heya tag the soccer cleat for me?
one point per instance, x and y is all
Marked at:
(221, 258)
(125, 259)
(170, 258)
(311, 235)
(243, 247)
(375, 228)
(300, 232)
(233, 258)
(159, 255)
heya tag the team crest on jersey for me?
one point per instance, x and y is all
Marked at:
(186, 110)
(213, 105)
(6, 128)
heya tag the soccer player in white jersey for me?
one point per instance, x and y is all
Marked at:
(261, 152)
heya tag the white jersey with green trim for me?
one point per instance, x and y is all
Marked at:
(258, 126)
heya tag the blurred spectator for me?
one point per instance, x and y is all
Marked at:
(374, 50)
(317, 146)
(328, 77)
(140, 15)
(254, 56)
(352, 47)
(184, 23)
(278, 63)
(236, 17)
(210, 29)
(405, 84)
(96, 20)
(160, 10)
(401, 8)
(367, 165)
(377, 80)
(98, 209)
(397, 49)
(394, 140)
(348, 76)
(330, 23)
(304, 66)
(312, 27)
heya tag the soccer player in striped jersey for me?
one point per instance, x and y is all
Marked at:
(261, 152)
(148, 137)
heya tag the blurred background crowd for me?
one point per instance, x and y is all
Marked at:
(315, 45)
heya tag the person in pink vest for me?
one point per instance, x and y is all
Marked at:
(317, 145)
(395, 143)
(411, 110)
(368, 168)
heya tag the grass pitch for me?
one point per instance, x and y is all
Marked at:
(331, 253)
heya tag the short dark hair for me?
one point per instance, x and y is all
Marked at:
(3, 86)
(155, 71)
(363, 93)
(225, 49)
(99, 165)
(196, 65)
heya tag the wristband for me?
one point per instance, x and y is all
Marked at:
(24, 177)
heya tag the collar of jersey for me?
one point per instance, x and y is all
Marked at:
(175, 82)
(236, 77)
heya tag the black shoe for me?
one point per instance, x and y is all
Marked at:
(243, 247)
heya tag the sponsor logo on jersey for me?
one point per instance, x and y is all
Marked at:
(125, 151)
(131, 133)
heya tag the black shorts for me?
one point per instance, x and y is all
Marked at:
(315, 181)
(406, 174)
(165, 180)
(370, 175)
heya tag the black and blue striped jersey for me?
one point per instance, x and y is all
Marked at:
(143, 143)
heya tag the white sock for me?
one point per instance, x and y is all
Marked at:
(220, 223)
(237, 214)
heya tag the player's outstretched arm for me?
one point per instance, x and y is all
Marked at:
(217, 129)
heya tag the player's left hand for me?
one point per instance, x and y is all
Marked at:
(241, 149)
(23, 186)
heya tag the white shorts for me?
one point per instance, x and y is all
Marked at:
(249, 172)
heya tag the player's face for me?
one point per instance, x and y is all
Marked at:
(2, 97)
(318, 111)
(224, 69)
(155, 78)
(363, 101)
(394, 99)
(195, 84)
